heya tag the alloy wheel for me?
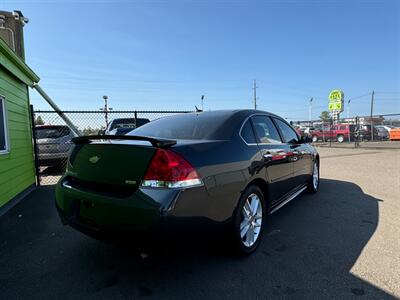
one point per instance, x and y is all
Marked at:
(250, 226)
(315, 176)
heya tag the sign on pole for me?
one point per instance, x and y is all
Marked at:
(336, 101)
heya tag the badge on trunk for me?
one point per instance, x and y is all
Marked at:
(94, 159)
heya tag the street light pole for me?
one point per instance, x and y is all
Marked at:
(372, 112)
(310, 110)
(348, 108)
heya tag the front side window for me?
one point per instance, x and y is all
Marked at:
(289, 135)
(3, 127)
(265, 130)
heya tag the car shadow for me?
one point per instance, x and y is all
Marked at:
(308, 251)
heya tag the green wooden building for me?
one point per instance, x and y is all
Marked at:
(17, 167)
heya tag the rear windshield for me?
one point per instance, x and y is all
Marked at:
(185, 126)
(52, 132)
(128, 123)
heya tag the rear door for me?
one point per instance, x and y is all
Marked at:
(275, 157)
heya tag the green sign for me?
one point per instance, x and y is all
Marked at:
(335, 106)
(336, 98)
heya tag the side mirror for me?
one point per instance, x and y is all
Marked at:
(305, 139)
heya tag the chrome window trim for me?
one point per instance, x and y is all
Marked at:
(257, 144)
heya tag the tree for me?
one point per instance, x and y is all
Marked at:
(89, 131)
(39, 121)
(325, 116)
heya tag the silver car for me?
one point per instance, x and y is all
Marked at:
(54, 143)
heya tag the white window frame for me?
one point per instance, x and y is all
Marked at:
(5, 122)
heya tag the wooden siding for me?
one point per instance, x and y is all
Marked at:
(17, 170)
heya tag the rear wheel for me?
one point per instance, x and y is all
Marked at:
(249, 220)
(314, 181)
(340, 138)
(315, 139)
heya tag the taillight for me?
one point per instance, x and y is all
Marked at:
(168, 169)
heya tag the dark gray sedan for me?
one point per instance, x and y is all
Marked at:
(225, 169)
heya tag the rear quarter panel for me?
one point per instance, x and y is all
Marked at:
(226, 168)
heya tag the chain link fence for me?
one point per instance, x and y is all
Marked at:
(53, 136)
(374, 132)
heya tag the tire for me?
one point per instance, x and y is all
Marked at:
(340, 138)
(313, 184)
(243, 240)
(314, 139)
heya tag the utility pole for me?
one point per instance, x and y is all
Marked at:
(372, 112)
(310, 110)
(106, 109)
(255, 94)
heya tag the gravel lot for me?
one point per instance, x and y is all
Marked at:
(343, 243)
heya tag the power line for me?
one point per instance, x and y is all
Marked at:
(358, 97)
(387, 92)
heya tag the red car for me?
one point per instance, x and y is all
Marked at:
(338, 132)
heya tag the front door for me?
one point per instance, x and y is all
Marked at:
(276, 157)
(301, 155)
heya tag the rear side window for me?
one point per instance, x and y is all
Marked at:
(265, 130)
(342, 127)
(289, 135)
(247, 133)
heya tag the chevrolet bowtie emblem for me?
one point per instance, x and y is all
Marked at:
(94, 159)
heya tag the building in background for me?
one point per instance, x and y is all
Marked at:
(17, 167)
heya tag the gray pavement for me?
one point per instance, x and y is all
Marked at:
(342, 243)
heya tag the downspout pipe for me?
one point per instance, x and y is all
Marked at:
(56, 109)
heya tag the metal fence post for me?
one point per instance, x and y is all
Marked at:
(135, 118)
(35, 148)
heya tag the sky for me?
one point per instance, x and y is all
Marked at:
(163, 55)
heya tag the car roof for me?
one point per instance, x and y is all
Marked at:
(236, 112)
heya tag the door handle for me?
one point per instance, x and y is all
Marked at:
(268, 156)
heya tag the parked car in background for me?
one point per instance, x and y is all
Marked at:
(299, 130)
(382, 133)
(121, 130)
(214, 172)
(344, 133)
(338, 132)
(54, 143)
(131, 123)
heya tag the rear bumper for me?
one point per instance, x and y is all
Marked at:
(147, 215)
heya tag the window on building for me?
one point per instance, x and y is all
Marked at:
(3, 127)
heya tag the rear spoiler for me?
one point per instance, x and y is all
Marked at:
(155, 142)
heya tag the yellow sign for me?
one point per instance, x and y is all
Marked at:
(336, 98)
(336, 95)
